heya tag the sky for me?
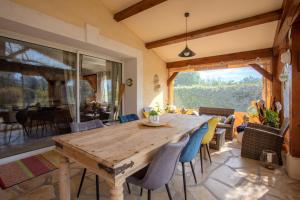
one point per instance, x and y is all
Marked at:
(235, 74)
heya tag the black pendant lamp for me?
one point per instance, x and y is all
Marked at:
(187, 52)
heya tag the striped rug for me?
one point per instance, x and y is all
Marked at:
(22, 170)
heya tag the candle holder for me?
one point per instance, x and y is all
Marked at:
(269, 159)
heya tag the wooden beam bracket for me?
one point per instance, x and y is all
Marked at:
(172, 77)
(291, 10)
(262, 71)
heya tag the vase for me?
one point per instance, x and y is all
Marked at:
(154, 119)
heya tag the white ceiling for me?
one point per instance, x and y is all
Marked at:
(166, 19)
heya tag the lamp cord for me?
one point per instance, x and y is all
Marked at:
(186, 31)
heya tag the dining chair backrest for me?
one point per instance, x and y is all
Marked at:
(84, 126)
(190, 151)
(22, 117)
(162, 167)
(212, 125)
(128, 118)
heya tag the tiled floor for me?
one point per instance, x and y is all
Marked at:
(228, 177)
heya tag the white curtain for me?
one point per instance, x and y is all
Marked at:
(103, 79)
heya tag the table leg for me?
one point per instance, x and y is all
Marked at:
(64, 179)
(116, 192)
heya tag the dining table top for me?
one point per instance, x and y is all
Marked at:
(112, 146)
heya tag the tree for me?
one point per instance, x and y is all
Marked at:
(187, 78)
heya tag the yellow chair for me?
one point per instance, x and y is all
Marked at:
(146, 114)
(212, 125)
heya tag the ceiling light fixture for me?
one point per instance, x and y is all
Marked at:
(187, 52)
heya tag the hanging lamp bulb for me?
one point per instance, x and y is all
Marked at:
(186, 52)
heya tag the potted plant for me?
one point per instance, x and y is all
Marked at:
(153, 116)
(271, 118)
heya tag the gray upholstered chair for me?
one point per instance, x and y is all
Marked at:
(161, 169)
(84, 126)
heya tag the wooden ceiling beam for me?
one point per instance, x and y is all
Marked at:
(136, 8)
(291, 10)
(231, 26)
(246, 55)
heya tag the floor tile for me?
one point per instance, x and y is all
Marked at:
(228, 177)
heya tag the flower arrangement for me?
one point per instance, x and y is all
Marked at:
(154, 116)
(170, 108)
(267, 116)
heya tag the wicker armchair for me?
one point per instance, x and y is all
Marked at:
(258, 137)
(221, 112)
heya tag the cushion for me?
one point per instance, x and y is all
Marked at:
(222, 119)
(222, 125)
(229, 119)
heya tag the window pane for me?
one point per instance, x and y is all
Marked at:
(224, 88)
(99, 87)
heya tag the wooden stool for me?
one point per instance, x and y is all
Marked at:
(219, 139)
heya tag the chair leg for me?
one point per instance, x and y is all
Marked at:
(207, 148)
(168, 191)
(128, 187)
(11, 128)
(184, 181)
(141, 193)
(149, 194)
(192, 167)
(97, 187)
(81, 182)
(201, 161)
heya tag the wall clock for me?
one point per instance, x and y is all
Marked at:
(129, 82)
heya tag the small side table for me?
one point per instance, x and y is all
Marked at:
(219, 139)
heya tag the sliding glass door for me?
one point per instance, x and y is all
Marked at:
(99, 89)
(37, 95)
(38, 92)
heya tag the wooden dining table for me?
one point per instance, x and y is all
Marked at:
(116, 152)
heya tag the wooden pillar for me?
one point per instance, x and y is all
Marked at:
(171, 93)
(170, 83)
(277, 67)
(295, 93)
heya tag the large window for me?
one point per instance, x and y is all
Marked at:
(225, 88)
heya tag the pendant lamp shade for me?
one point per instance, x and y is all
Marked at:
(186, 52)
